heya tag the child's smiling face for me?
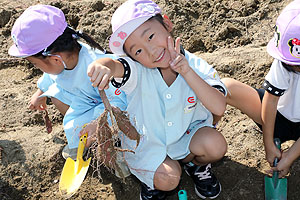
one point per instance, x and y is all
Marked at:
(148, 44)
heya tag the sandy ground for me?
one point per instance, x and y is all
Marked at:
(231, 35)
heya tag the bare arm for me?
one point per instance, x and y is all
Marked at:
(102, 70)
(210, 97)
(268, 114)
(294, 151)
(287, 159)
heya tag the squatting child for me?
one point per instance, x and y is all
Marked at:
(171, 97)
(275, 108)
(42, 36)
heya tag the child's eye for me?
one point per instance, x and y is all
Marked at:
(138, 52)
(151, 36)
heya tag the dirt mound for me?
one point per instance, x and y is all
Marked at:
(231, 35)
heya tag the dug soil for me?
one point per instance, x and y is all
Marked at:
(229, 34)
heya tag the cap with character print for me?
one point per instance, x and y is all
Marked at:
(285, 45)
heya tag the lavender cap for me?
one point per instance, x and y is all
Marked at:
(37, 28)
(285, 45)
(127, 18)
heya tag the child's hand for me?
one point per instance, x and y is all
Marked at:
(37, 102)
(272, 152)
(100, 74)
(90, 128)
(178, 62)
(283, 166)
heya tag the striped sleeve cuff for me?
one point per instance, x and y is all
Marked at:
(272, 89)
(125, 76)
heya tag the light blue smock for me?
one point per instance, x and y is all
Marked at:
(74, 88)
(166, 117)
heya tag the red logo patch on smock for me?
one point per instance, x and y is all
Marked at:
(117, 92)
(191, 99)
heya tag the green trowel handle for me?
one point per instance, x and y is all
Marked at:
(275, 173)
(278, 145)
(182, 195)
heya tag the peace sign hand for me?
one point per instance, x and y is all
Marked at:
(178, 62)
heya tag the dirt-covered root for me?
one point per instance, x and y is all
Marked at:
(125, 125)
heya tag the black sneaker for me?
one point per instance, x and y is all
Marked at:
(206, 184)
(151, 194)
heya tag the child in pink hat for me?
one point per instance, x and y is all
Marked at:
(42, 36)
(275, 108)
(172, 96)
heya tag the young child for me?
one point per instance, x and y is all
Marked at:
(171, 97)
(42, 36)
(276, 110)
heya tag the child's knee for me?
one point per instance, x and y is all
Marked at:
(167, 176)
(222, 149)
(167, 182)
(218, 148)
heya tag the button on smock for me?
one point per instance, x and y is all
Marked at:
(170, 123)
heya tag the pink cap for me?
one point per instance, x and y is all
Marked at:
(127, 18)
(285, 45)
(36, 29)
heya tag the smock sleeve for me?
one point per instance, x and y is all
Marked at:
(277, 80)
(206, 72)
(130, 78)
(45, 82)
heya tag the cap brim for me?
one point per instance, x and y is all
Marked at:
(14, 51)
(274, 52)
(127, 28)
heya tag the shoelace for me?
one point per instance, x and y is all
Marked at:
(205, 174)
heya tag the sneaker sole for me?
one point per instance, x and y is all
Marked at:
(204, 197)
(142, 199)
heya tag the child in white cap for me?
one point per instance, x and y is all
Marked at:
(275, 108)
(171, 96)
(42, 36)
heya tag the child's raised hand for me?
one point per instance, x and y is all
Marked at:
(99, 73)
(178, 62)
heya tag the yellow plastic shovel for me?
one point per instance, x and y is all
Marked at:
(74, 172)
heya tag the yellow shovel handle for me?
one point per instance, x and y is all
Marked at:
(81, 146)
